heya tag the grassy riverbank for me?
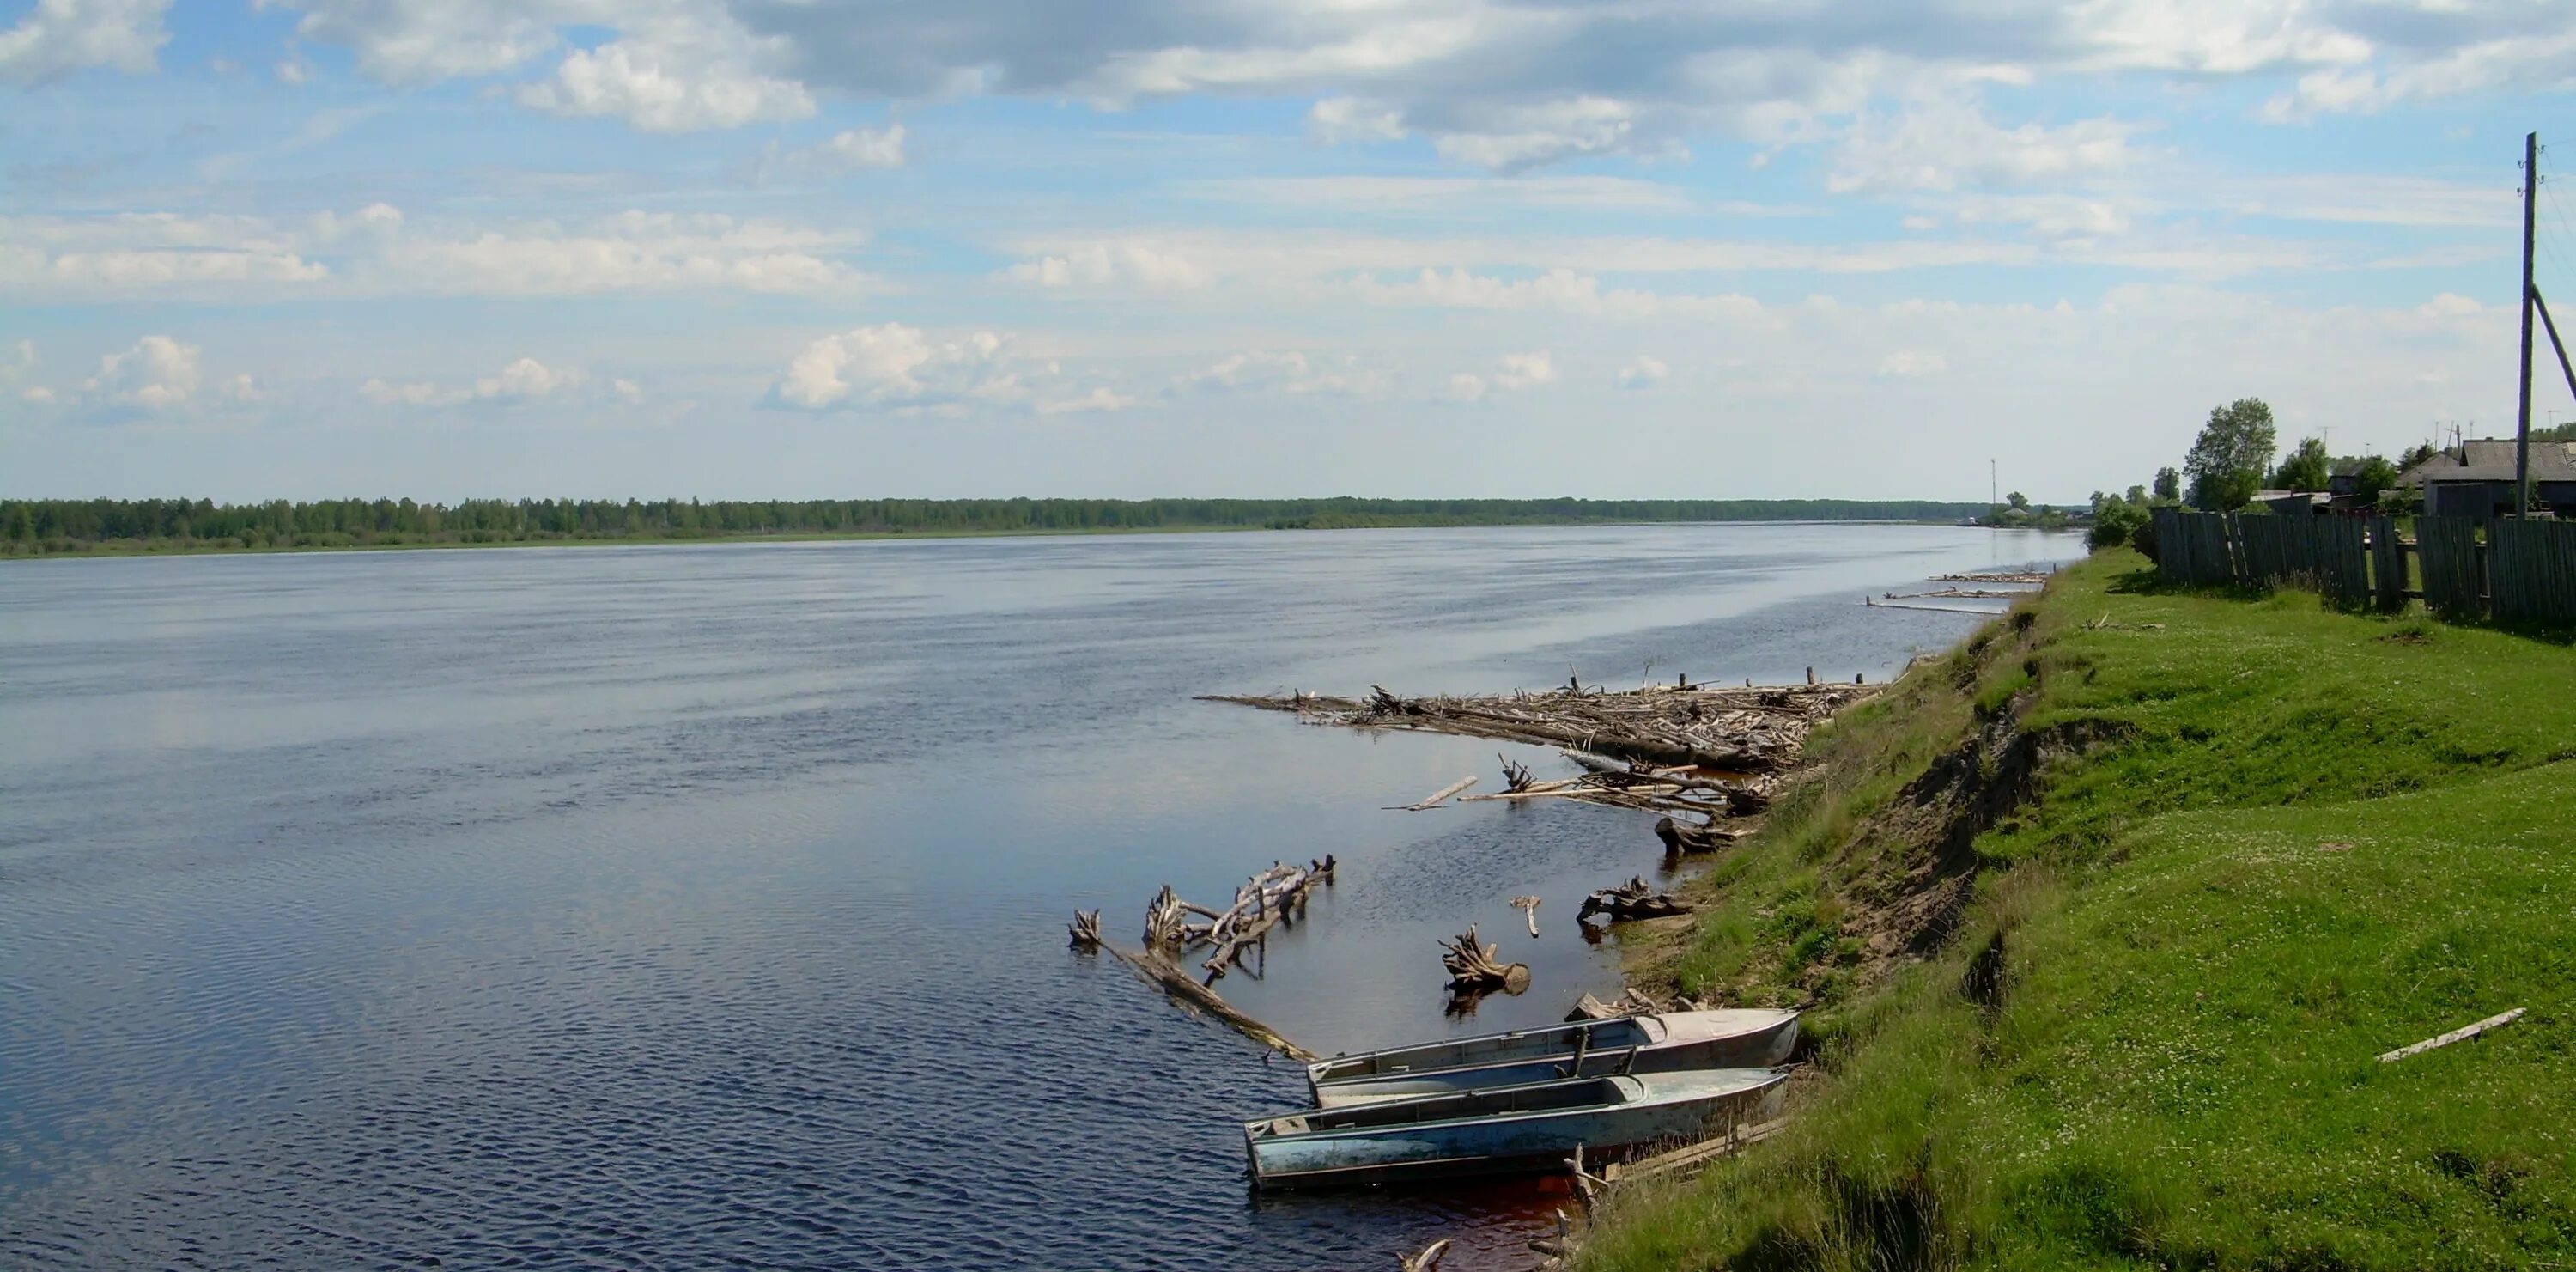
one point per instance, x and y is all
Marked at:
(2105, 916)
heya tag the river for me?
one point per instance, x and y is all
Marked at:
(703, 906)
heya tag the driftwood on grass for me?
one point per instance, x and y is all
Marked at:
(1474, 968)
(1631, 900)
(2461, 1034)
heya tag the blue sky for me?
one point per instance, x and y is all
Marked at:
(1613, 248)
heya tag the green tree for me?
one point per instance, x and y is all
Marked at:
(2138, 496)
(2168, 484)
(2228, 459)
(2019, 501)
(2307, 468)
(2117, 523)
(2374, 475)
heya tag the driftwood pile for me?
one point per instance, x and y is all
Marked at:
(1995, 576)
(1632, 1002)
(1631, 900)
(1274, 896)
(1749, 730)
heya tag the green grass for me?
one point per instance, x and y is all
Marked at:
(2292, 839)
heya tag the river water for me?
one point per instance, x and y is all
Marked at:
(702, 906)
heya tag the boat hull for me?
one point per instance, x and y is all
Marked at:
(1515, 1144)
(1759, 1040)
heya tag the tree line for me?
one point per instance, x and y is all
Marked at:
(36, 526)
(2231, 459)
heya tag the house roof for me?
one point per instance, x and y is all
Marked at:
(2491, 459)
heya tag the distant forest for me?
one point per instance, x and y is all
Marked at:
(41, 526)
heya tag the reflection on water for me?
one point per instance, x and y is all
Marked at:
(684, 907)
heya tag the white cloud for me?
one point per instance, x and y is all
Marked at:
(377, 251)
(1522, 370)
(898, 367)
(420, 41)
(627, 391)
(1906, 364)
(1505, 84)
(2450, 305)
(2454, 63)
(57, 37)
(858, 148)
(1098, 399)
(1445, 195)
(523, 380)
(1337, 120)
(1945, 142)
(157, 374)
(1105, 264)
(1646, 372)
(1520, 137)
(1512, 371)
(667, 88)
(1286, 371)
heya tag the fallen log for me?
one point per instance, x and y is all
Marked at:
(1528, 906)
(1434, 799)
(1682, 837)
(1631, 900)
(1272, 897)
(1428, 1259)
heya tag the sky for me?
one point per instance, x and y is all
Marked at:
(1130, 248)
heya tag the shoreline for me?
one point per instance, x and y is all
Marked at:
(139, 548)
(2097, 950)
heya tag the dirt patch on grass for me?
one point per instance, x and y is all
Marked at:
(1928, 833)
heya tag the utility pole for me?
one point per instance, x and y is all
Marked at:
(1993, 488)
(2522, 437)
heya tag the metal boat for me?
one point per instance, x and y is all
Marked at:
(1503, 1130)
(1662, 1043)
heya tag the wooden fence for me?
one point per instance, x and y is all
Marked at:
(2512, 571)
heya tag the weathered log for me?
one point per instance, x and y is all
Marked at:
(1631, 900)
(1429, 1257)
(1682, 837)
(2461, 1034)
(1085, 930)
(1434, 799)
(1528, 906)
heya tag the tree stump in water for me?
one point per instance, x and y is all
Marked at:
(1474, 969)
